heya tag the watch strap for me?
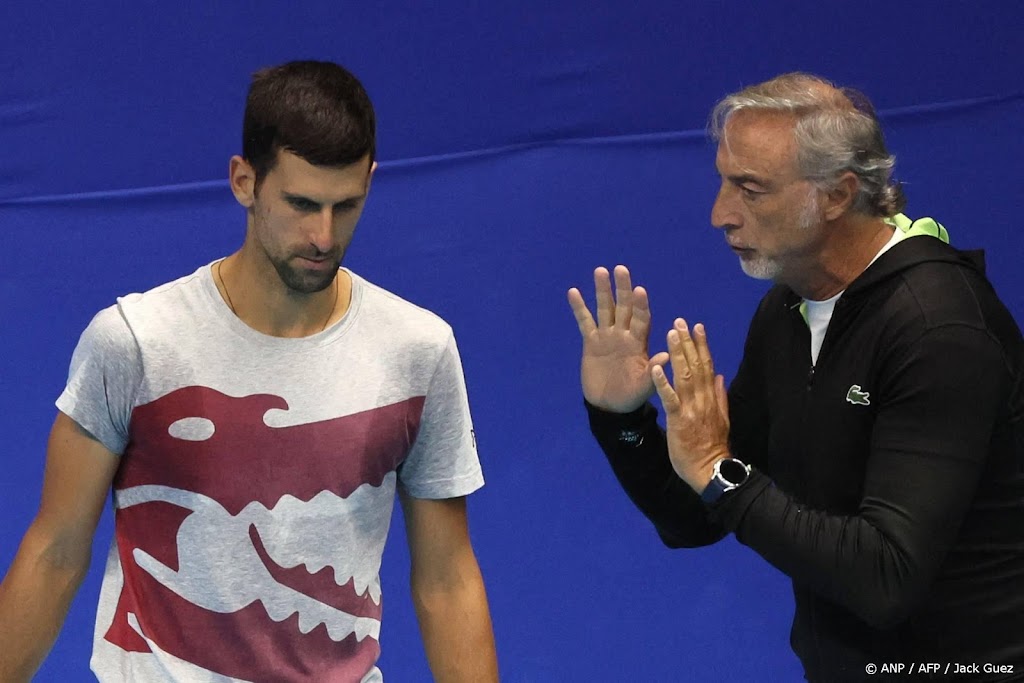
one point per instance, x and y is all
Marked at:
(720, 484)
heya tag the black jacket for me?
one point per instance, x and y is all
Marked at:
(889, 479)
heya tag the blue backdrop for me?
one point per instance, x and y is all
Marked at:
(522, 144)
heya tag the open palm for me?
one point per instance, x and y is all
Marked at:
(615, 370)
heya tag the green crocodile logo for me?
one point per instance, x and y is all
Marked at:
(858, 397)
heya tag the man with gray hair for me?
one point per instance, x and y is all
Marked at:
(871, 445)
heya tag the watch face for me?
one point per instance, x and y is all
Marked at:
(733, 471)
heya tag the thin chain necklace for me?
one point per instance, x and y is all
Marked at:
(231, 304)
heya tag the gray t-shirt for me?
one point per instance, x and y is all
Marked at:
(258, 476)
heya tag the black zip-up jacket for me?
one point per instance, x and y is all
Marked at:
(888, 480)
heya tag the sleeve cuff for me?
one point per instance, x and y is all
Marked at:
(625, 427)
(729, 510)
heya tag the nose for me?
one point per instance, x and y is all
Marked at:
(723, 211)
(321, 234)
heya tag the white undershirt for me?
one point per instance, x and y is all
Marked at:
(819, 313)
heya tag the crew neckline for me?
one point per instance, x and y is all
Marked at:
(223, 313)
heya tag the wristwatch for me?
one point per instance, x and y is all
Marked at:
(728, 474)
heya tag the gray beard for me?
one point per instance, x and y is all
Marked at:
(761, 268)
(767, 268)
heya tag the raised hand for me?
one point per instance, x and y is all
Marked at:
(616, 370)
(696, 408)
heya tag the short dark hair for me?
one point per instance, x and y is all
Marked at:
(318, 111)
(836, 130)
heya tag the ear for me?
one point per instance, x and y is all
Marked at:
(369, 176)
(242, 178)
(840, 198)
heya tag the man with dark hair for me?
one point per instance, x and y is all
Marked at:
(871, 445)
(255, 419)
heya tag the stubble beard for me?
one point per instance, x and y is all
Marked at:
(762, 267)
(304, 281)
(297, 279)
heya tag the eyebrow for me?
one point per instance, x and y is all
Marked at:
(296, 198)
(744, 178)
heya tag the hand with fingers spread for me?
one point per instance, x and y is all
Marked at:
(696, 407)
(616, 369)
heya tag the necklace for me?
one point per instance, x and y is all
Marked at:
(231, 304)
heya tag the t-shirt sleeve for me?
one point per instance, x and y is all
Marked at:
(106, 370)
(443, 462)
